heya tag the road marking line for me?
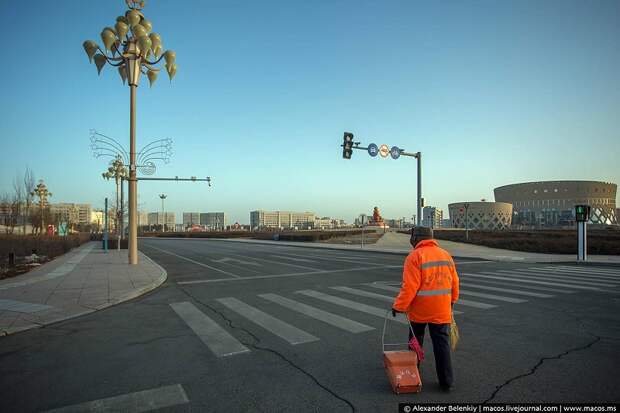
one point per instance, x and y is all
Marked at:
(506, 290)
(363, 293)
(575, 276)
(610, 271)
(141, 401)
(277, 262)
(219, 341)
(329, 318)
(291, 258)
(463, 292)
(354, 305)
(195, 262)
(499, 276)
(228, 259)
(278, 327)
(607, 276)
(514, 284)
(295, 274)
(553, 278)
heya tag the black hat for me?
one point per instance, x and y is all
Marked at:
(422, 232)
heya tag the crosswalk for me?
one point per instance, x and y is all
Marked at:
(479, 291)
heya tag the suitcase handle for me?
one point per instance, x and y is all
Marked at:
(385, 320)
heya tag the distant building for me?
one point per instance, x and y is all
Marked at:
(190, 219)
(395, 223)
(481, 215)
(362, 219)
(143, 219)
(552, 203)
(79, 214)
(446, 223)
(323, 223)
(214, 220)
(157, 219)
(431, 217)
(281, 219)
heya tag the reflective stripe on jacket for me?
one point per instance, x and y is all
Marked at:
(430, 284)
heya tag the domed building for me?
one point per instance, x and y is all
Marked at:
(552, 203)
(481, 215)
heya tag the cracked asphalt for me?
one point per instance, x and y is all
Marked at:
(559, 349)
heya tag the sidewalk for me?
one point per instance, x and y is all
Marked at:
(395, 243)
(82, 281)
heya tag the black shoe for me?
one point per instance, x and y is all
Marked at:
(445, 388)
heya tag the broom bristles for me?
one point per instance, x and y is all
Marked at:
(454, 334)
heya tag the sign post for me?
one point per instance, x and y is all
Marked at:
(582, 215)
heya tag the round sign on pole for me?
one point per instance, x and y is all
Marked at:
(395, 152)
(384, 151)
(373, 149)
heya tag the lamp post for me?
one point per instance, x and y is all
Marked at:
(141, 51)
(117, 171)
(41, 191)
(163, 212)
(466, 205)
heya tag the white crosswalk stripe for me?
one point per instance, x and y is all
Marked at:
(462, 292)
(363, 293)
(219, 341)
(571, 276)
(354, 305)
(281, 329)
(550, 277)
(324, 316)
(599, 270)
(585, 272)
(515, 284)
(500, 276)
(506, 290)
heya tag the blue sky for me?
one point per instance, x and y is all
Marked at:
(491, 92)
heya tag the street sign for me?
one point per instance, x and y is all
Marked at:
(395, 152)
(384, 151)
(373, 149)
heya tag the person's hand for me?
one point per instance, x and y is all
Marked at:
(394, 311)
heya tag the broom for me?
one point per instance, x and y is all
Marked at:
(454, 334)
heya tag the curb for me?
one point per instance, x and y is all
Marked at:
(118, 300)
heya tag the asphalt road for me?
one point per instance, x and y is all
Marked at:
(253, 327)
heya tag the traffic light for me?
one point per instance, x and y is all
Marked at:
(347, 146)
(582, 213)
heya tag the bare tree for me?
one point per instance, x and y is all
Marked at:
(16, 202)
(5, 210)
(29, 185)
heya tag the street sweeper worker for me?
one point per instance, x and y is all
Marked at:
(429, 289)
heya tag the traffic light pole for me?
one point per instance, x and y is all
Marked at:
(417, 155)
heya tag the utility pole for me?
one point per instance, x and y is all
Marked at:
(163, 212)
(466, 205)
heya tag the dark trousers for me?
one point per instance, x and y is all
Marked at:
(440, 336)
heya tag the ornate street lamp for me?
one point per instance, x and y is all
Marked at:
(133, 48)
(42, 193)
(117, 171)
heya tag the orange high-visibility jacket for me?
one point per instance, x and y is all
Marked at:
(430, 284)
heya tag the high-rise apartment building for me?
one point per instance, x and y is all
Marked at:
(431, 217)
(157, 218)
(214, 220)
(79, 214)
(190, 219)
(281, 219)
